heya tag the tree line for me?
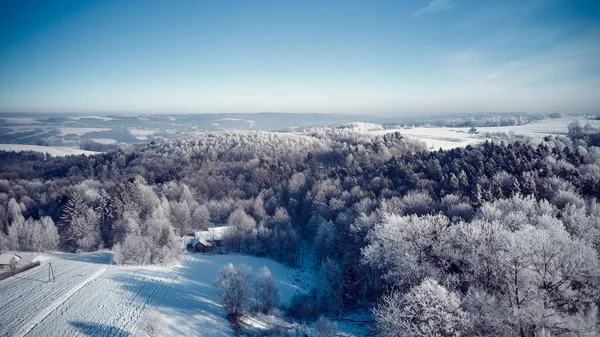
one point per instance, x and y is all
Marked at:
(504, 236)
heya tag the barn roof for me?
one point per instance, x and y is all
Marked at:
(5, 258)
(203, 242)
(213, 233)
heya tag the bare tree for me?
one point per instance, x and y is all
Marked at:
(267, 295)
(234, 287)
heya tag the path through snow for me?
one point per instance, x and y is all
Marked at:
(92, 298)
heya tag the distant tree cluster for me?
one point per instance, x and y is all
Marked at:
(485, 120)
(587, 133)
(504, 236)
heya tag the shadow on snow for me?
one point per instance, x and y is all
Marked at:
(96, 329)
(189, 304)
(101, 257)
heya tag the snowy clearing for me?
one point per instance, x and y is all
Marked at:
(19, 120)
(436, 138)
(91, 297)
(92, 117)
(448, 138)
(104, 141)
(56, 151)
(80, 131)
(231, 119)
(140, 132)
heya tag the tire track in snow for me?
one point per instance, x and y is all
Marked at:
(42, 314)
(24, 295)
(128, 320)
(133, 294)
(122, 317)
(162, 293)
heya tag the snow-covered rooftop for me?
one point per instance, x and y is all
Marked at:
(212, 234)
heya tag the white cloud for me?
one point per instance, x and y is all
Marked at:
(561, 78)
(435, 6)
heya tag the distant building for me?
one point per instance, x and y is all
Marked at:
(9, 261)
(210, 239)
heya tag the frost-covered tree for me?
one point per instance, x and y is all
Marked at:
(181, 217)
(265, 291)
(4, 242)
(428, 310)
(201, 217)
(241, 220)
(244, 226)
(552, 280)
(132, 250)
(164, 245)
(80, 227)
(16, 232)
(488, 314)
(32, 235)
(325, 328)
(280, 218)
(402, 248)
(258, 208)
(235, 290)
(152, 325)
(153, 242)
(418, 203)
(128, 224)
(15, 211)
(106, 216)
(49, 231)
(86, 231)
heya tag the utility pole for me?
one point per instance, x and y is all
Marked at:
(51, 273)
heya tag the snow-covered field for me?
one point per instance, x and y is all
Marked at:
(56, 151)
(19, 120)
(436, 138)
(448, 138)
(141, 134)
(93, 298)
(92, 117)
(80, 131)
(104, 140)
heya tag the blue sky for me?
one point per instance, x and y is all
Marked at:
(355, 57)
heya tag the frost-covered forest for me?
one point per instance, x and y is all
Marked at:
(499, 239)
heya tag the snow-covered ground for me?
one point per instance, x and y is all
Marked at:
(448, 138)
(56, 151)
(250, 122)
(142, 134)
(436, 138)
(80, 131)
(19, 120)
(92, 117)
(104, 140)
(93, 298)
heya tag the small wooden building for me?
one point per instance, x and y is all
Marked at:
(210, 239)
(9, 261)
(203, 246)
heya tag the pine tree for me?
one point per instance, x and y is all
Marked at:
(79, 225)
(106, 217)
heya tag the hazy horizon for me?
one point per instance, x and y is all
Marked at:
(383, 58)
